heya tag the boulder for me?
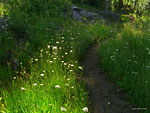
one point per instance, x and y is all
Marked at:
(108, 15)
(76, 16)
(87, 14)
(76, 9)
(79, 13)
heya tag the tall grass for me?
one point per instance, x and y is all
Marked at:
(50, 87)
(28, 27)
(48, 82)
(126, 59)
(48, 45)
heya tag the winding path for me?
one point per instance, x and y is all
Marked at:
(102, 90)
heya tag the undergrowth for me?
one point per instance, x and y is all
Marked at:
(41, 47)
(126, 58)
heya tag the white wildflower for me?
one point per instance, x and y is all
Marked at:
(68, 79)
(71, 70)
(55, 47)
(62, 109)
(108, 103)
(57, 86)
(35, 84)
(65, 64)
(22, 88)
(71, 65)
(54, 58)
(80, 68)
(41, 74)
(52, 71)
(41, 84)
(36, 59)
(43, 71)
(48, 46)
(51, 62)
(85, 109)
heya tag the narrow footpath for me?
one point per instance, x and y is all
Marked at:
(103, 93)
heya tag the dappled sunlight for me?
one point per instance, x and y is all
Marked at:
(42, 44)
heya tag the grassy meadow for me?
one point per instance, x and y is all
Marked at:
(40, 52)
(126, 59)
(41, 49)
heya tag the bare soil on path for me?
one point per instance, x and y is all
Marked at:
(102, 90)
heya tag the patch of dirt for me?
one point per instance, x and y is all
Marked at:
(102, 90)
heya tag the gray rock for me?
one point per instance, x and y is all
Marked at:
(79, 13)
(77, 9)
(76, 16)
(87, 14)
(108, 15)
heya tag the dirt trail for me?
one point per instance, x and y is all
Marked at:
(101, 89)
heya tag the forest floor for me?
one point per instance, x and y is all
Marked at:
(103, 93)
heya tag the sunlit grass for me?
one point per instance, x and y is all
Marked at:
(48, 48)
(126, 59)
(49, 45)
(50, 87)
(51, 83)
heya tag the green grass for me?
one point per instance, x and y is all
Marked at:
(50, 85)
(63, 50)
(48, 46)
(126, 58)
(59, 64)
